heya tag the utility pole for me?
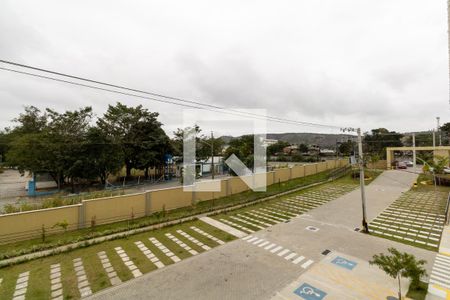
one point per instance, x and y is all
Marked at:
(439, 130)
(212, 155)
(434, 139)
(361, 182)
(414, 149)
(361, 177)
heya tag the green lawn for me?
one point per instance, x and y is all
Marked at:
(39, 280)
(416, 218)
(22, 247)
(262, 215)
(265, 214)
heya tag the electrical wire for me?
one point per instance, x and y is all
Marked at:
(192, 104)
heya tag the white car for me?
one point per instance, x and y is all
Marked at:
(447, 170)
(409, 163)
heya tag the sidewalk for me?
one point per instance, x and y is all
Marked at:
(439, 286)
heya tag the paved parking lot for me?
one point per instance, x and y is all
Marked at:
(244, 269)
(341, 276)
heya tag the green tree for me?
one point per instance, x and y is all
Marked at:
(150, 144)
(445, 131)
(50, 142)
(202, 143)
(67, 134)
(102, 156)
(439, 163)
(398, 265)
(243, 148)
(177, 140)
(347, 147)
(277, 147)
(139, 133)
(422, 139)
(30, 121)
(303, 148)
(377, 141)
(26, 145)
(5, 140)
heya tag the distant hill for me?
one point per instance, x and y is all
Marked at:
(322, 140)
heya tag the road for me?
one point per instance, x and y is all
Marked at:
(241, 270)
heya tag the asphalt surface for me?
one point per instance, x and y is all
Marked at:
(240, 270)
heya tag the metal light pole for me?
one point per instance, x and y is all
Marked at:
(434, 139)
(361, 182)
(414, 149)
(361, 177)
(212, 155)
(439, 130)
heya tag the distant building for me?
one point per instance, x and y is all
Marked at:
(289, 150)
(268, 142)
(326, 152)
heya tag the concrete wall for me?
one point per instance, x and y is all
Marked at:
(204, 196)
(25, 225)
(321, 167)
(21, 226)
(282, 175)
(113, 209)
(298, 171)
(168, 199)
(331, 164)
(236, 186)
(270, 178)
(381, 164)
(310, 169)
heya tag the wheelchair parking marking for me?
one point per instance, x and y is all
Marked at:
(308, 292)
(344, 263)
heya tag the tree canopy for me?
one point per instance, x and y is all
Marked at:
(70, 146)
(277, 147)
(142, 140)
(377, 141)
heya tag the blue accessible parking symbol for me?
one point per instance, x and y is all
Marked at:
(308, 292)
(345, 263)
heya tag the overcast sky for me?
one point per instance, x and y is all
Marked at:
(368, 63)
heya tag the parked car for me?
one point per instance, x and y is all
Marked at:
(409, 163)
(447, 170)
(401, 165)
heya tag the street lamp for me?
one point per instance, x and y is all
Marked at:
(361, 176)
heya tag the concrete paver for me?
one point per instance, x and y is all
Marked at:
(242, 270)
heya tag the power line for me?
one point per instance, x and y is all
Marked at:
(133, 95)
(190, 102)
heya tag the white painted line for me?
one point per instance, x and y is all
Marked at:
(263, 244)
(298, 259)
(247, 237)
(270, 246)
(285, 251)
(290, 256)
(276, 249)
(252, 239)
(307, 264)
(258, 242)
